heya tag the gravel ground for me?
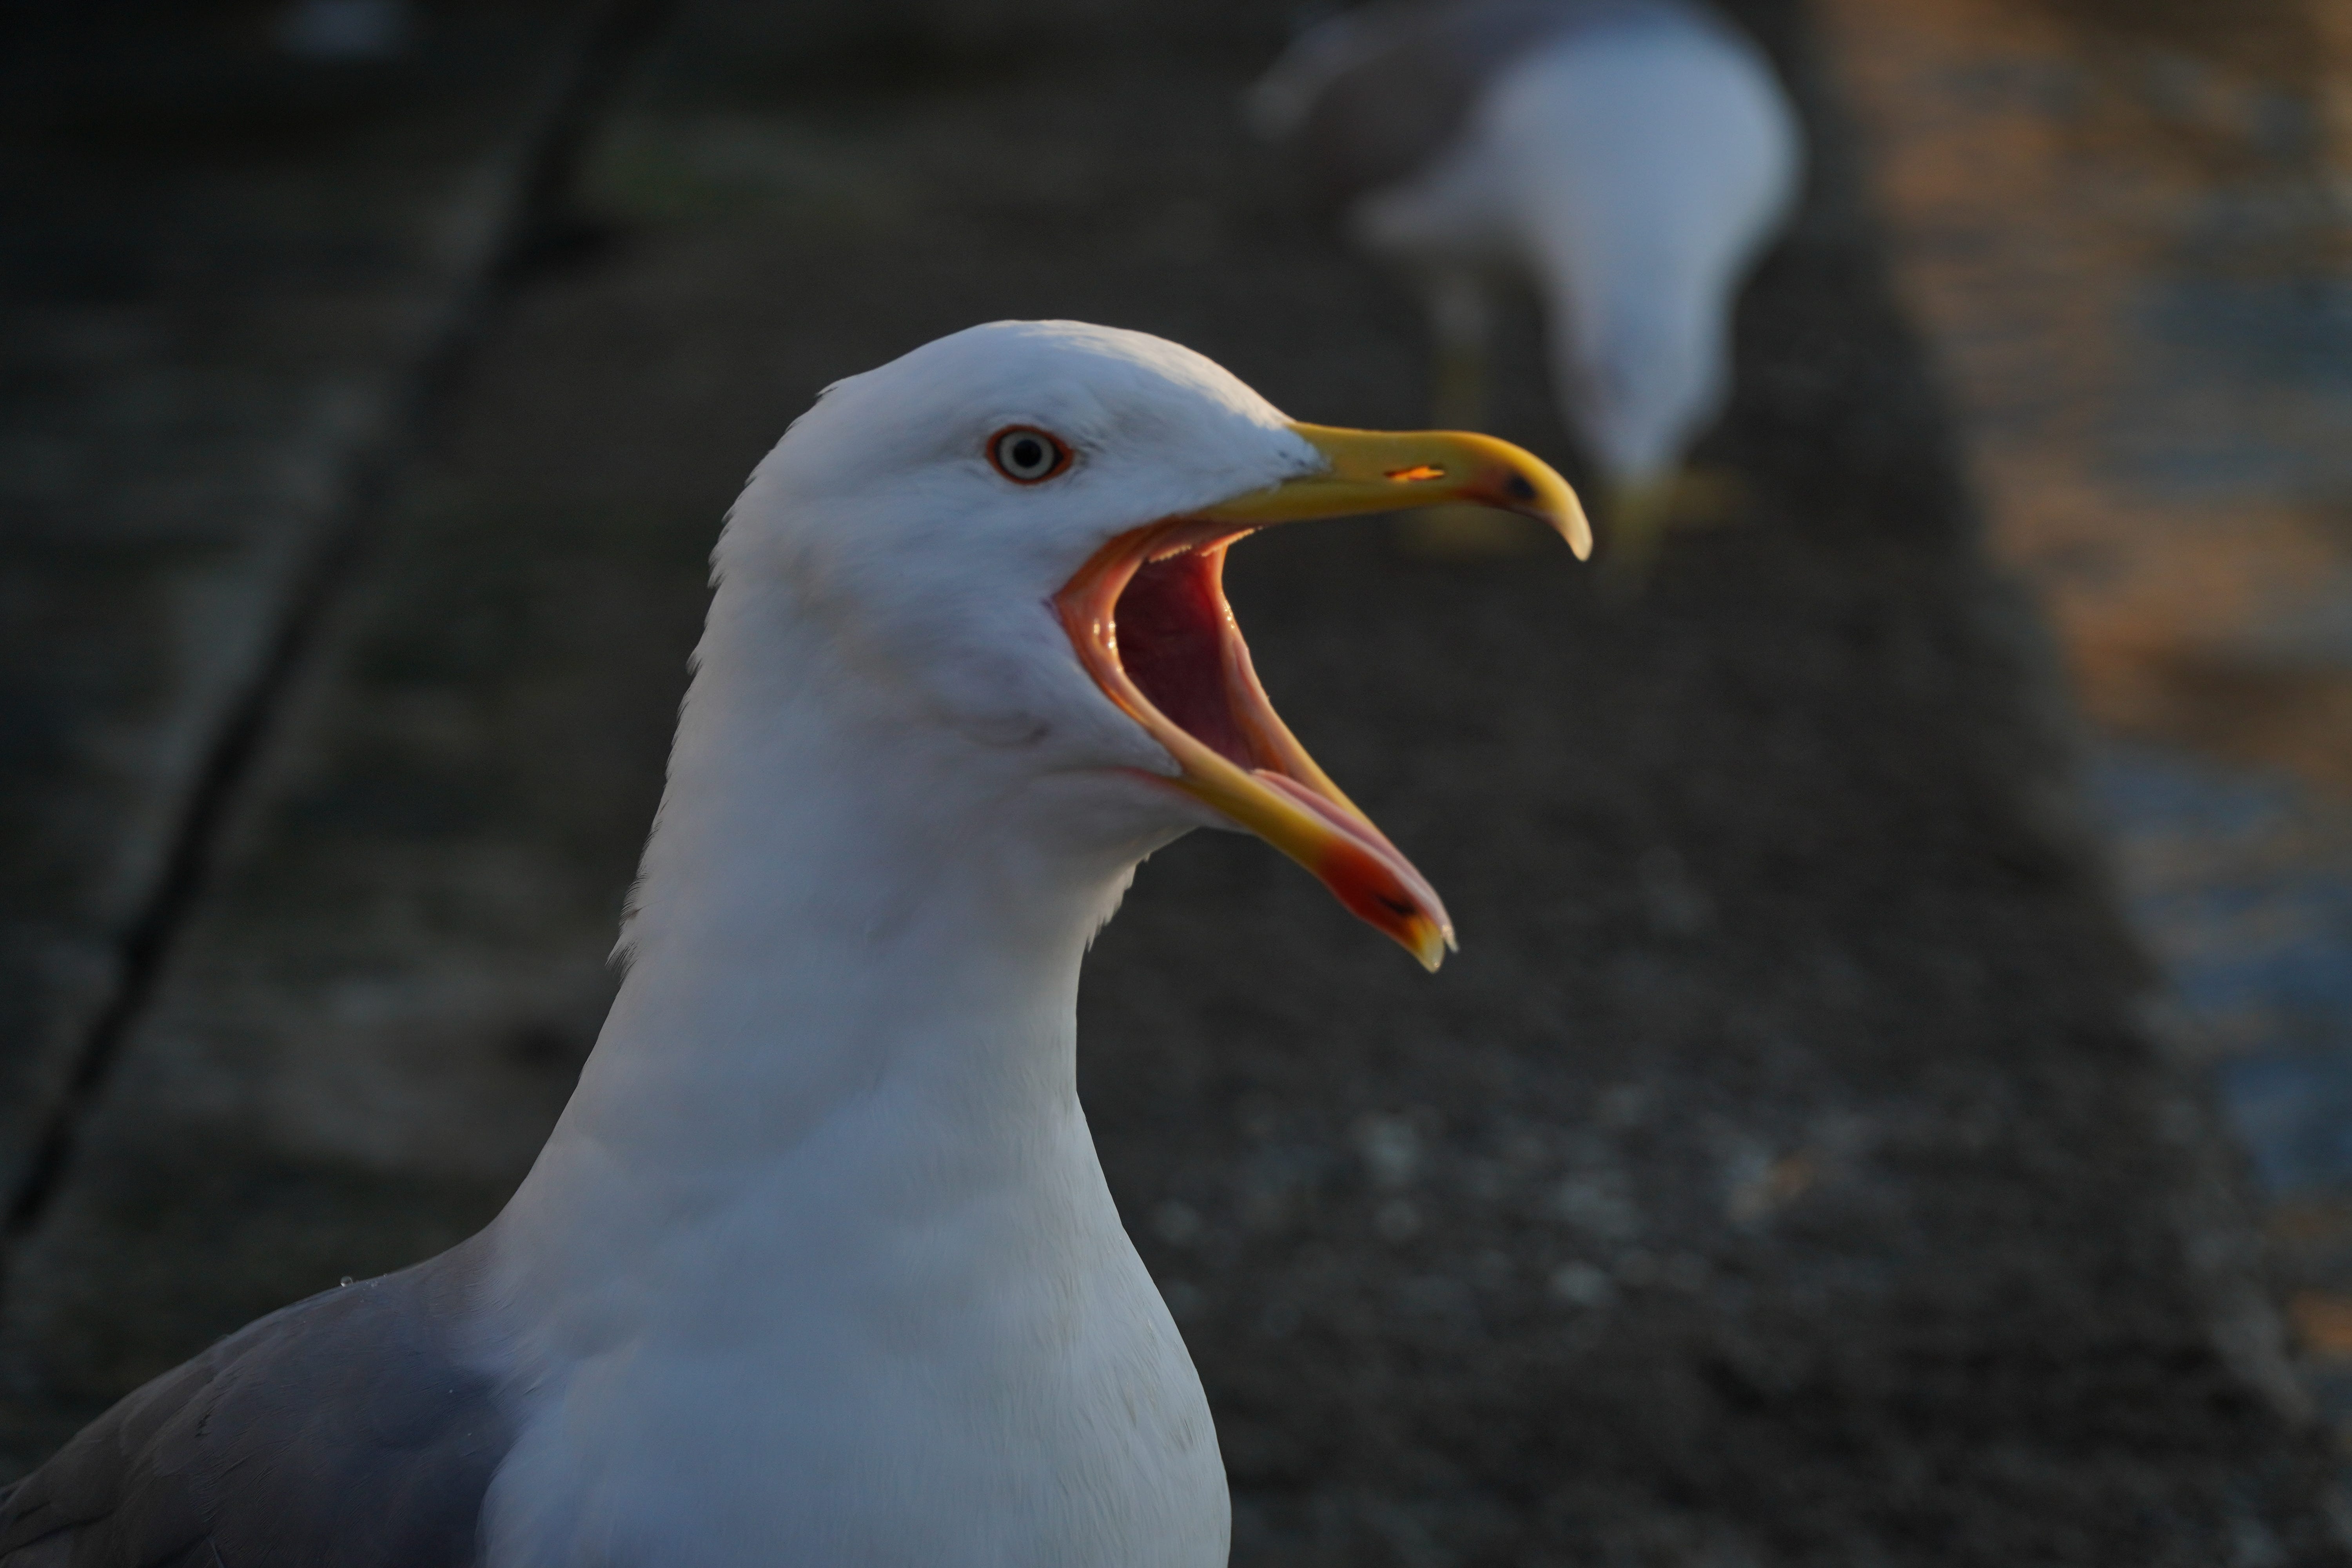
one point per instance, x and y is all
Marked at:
(1780, 1174)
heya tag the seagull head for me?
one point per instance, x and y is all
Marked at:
(1015, 536)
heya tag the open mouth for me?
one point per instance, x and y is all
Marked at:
(1149, 619)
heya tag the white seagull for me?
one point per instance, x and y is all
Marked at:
(819, 1267)
(1627, 159)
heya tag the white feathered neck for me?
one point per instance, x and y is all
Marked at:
(822, 1243)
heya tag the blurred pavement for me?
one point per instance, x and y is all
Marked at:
(2127, 230)
(227, 275)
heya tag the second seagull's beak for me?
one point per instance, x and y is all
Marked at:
(1148, 618)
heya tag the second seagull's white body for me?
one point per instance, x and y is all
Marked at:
(1627, 160)
(1632, 174)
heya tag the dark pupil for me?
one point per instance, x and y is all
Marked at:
(1028, 453)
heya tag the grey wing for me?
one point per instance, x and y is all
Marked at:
(343, 1432)
(1373, 95)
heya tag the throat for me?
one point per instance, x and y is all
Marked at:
(771, 996)
(849, 1010)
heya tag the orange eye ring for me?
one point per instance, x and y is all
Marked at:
(1026, 454)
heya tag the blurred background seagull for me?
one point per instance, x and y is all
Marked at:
(1628, 159)
(819, 1266)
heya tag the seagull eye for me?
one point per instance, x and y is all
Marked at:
(1027, 456)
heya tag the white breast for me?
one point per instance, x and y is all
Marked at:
(976, 1373)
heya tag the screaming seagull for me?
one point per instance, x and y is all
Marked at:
(819, 1266)
(1627, 159)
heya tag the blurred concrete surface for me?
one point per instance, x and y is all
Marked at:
(1784, 1173)
(225, 273)
(2128, 232)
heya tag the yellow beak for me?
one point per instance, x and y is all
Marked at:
(1149, 619)
(1380, 470)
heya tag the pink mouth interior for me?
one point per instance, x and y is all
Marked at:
(1173, 628)
(1174, 635)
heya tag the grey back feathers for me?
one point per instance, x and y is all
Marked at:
(1372, 96)
(345, 1431)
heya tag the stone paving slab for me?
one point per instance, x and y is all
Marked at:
(1781, 1175)
(224, 273)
